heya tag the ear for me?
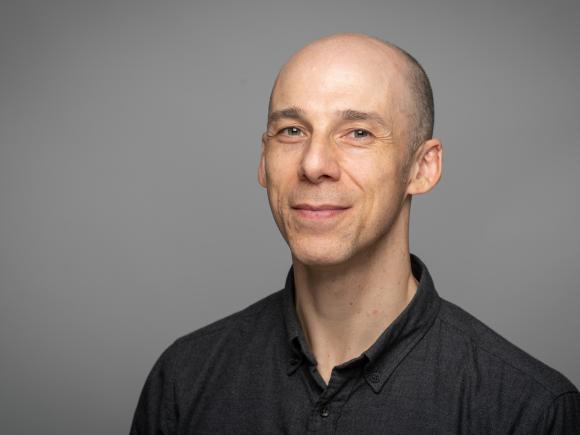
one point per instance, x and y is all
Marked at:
(262, 179)
(425, 170)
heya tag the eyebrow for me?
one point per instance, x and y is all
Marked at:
(355, 115)
(294, 112)
(289, 112)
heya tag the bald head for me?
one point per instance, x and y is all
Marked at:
(393, 70)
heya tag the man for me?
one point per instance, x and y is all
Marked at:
(358, 341)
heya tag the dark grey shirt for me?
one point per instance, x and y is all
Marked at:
(436, 369)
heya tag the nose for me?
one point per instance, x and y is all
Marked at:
(319, 161)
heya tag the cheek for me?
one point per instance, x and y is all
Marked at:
(280, 159)
(374, 172)
(380, 180)
(276, 174)
(280, 174)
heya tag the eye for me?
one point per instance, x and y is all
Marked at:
(360, 133)
(291, 131)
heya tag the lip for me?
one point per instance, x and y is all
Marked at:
(319, 211)
(319, 207)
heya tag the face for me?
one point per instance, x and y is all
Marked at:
(332, 161)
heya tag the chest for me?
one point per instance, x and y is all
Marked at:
(278, 403)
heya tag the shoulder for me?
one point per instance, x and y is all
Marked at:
(495, 356)
(222, 336)
(199, 358)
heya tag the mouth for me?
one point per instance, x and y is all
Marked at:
(320, 211)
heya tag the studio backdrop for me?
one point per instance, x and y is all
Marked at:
(130, 212)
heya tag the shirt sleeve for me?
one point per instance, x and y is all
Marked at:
(155, 412)
(563, 416)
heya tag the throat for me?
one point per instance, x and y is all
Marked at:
(341, 325)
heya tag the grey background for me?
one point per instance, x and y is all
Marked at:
(130, 213)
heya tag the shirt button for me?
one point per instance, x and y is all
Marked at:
(324, 412)
(374, 377)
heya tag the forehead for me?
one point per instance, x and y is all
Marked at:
(337, 78)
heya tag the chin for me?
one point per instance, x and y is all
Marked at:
(320, 255)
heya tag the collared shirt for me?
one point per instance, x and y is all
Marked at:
(436, 369)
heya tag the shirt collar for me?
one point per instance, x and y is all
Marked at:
(392, 345)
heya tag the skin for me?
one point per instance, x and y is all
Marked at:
(337, 135)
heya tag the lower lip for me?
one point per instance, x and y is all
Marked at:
(319, 214)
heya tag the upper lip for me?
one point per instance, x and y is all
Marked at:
(319, 207)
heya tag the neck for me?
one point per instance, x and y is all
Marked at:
(344, 308)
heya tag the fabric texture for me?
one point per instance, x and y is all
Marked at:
(436, 369)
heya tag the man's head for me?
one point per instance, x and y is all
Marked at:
(350, 121)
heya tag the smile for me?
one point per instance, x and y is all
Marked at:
(319, 212)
